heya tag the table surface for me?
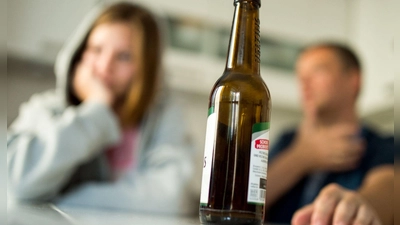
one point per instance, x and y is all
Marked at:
(49, 214)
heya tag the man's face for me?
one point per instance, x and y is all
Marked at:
(325, 84)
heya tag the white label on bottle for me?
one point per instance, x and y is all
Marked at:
(208, 157)
(258, 164)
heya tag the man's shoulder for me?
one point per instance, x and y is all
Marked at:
(375, 138)
(283, 141)
(380, 148)
(288, 135)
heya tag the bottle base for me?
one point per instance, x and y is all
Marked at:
(222, 217)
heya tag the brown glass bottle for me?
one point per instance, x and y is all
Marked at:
(236, 151)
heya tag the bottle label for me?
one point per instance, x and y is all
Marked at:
(208, 155)
(258, 163)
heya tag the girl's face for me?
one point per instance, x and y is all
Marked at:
(113, 56)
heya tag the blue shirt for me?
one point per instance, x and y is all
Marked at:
(379, 151)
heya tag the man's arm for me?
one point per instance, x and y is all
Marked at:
(377, 189)
(284, 172)
(371, 204)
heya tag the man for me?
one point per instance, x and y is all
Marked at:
(333, 168)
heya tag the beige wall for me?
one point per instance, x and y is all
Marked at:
(37, 29)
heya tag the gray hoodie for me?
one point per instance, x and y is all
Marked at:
(56, 152)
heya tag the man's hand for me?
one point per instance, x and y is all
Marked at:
(335, 148)
(337, 206)
(89, 87)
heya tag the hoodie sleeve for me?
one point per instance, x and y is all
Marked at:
(161, 185)
(47, 142)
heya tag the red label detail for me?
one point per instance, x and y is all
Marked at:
(262, 144)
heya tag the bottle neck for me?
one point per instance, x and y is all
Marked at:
(244, 46)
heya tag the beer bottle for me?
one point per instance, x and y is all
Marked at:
(237, 136)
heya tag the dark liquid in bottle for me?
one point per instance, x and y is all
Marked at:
(242, 103)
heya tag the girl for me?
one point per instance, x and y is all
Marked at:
(109, 135)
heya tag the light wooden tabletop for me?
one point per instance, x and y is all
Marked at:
(49, 214)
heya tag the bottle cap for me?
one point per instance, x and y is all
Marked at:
(258, 2)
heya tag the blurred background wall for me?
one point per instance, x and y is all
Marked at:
(197, 35)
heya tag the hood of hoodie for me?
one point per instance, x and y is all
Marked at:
(74, 42)
(71, 46)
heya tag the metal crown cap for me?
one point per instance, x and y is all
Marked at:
(258, 2)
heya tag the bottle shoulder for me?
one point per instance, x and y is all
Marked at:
(241, 82)
(246, 85)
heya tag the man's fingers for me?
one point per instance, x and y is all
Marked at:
(364, 216)
(303, 216)
(357, 146)
(349, 146)
(349, 162)
(376, 222)
(325, 204)
(346, 130)
(346, 210)
(336, 206)
(348, 153)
